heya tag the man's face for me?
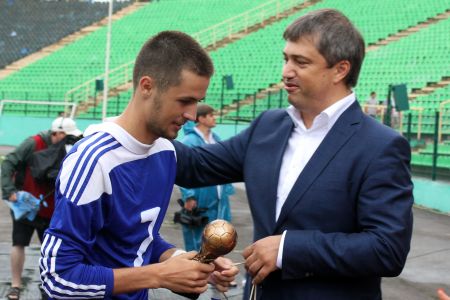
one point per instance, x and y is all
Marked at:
(57, 136)
(208, 120)
(170, 109)
(306, 75)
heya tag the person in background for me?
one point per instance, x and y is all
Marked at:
(213, 198)
(114, 188)
(329, 187)
(372, 102)
(16, 176)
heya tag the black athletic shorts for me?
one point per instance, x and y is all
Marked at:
(23, 230)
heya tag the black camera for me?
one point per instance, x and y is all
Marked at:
(190, 218)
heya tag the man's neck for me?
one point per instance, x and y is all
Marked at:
(206, 131)
(133, 125)
(309, 115)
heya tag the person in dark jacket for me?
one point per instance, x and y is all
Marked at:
(329, 188)
(16, 176)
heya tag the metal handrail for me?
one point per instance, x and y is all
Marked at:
(117, 76)
(208, 36)
(243, 21)
(419, 121)
(65, 104)
(441, 113)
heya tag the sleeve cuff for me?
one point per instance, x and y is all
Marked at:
(280, 251)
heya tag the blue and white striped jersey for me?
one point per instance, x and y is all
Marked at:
(111, 197)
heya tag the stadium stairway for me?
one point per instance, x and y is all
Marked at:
(115, 91)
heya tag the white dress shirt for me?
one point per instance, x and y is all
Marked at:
(302, 144)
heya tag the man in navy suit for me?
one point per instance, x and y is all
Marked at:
(329, 188)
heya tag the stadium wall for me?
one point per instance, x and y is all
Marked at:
(13, 129)
(434, 195)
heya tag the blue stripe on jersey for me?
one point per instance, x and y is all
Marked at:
(91, 170)
(88, 147)
(85, 163)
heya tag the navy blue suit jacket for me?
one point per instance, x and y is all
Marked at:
(348, 216)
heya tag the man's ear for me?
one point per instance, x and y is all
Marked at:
(342, 69)
(146, 85)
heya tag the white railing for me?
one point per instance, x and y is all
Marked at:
(419, 110)
(209, 36)
(120, 75)
(381, 111)
(242, 22)
(51, 103)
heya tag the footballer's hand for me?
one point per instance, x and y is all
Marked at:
(224, 273)
(183, 275)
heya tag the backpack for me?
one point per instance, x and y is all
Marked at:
(45, 164)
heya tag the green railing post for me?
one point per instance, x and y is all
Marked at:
(222, 91)
(387, 116)
(408, 128)
(237, 115)
(280, 100)
(435, 146)
(254, 105)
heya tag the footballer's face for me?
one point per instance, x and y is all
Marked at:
(173, 107)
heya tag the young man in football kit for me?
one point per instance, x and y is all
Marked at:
(115, 185)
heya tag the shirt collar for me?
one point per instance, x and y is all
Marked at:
(327, 117)
(210, 137)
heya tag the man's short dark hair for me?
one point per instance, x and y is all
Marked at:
(335, 38)
(165, 55)
(203, 110)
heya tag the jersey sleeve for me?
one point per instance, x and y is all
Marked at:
(159, 247)
(64, 263)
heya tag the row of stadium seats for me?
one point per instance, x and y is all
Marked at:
(84, 59)
(29, 25)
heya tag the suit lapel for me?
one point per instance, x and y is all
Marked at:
(273, 156)
(339, 134)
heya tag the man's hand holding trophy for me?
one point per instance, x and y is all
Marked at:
(218, 239)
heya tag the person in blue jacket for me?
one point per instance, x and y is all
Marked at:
(213, 198)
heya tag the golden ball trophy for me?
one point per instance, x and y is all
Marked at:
(219, 238)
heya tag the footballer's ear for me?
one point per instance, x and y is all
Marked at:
(146, 85)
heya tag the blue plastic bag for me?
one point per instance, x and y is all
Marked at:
(26, 206)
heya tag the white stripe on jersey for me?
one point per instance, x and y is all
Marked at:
(84, 179)
(83, 151)
(46, 276)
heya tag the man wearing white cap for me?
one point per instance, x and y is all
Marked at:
(66, 126)
(16, 176)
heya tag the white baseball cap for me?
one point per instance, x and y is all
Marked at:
(66, 125)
